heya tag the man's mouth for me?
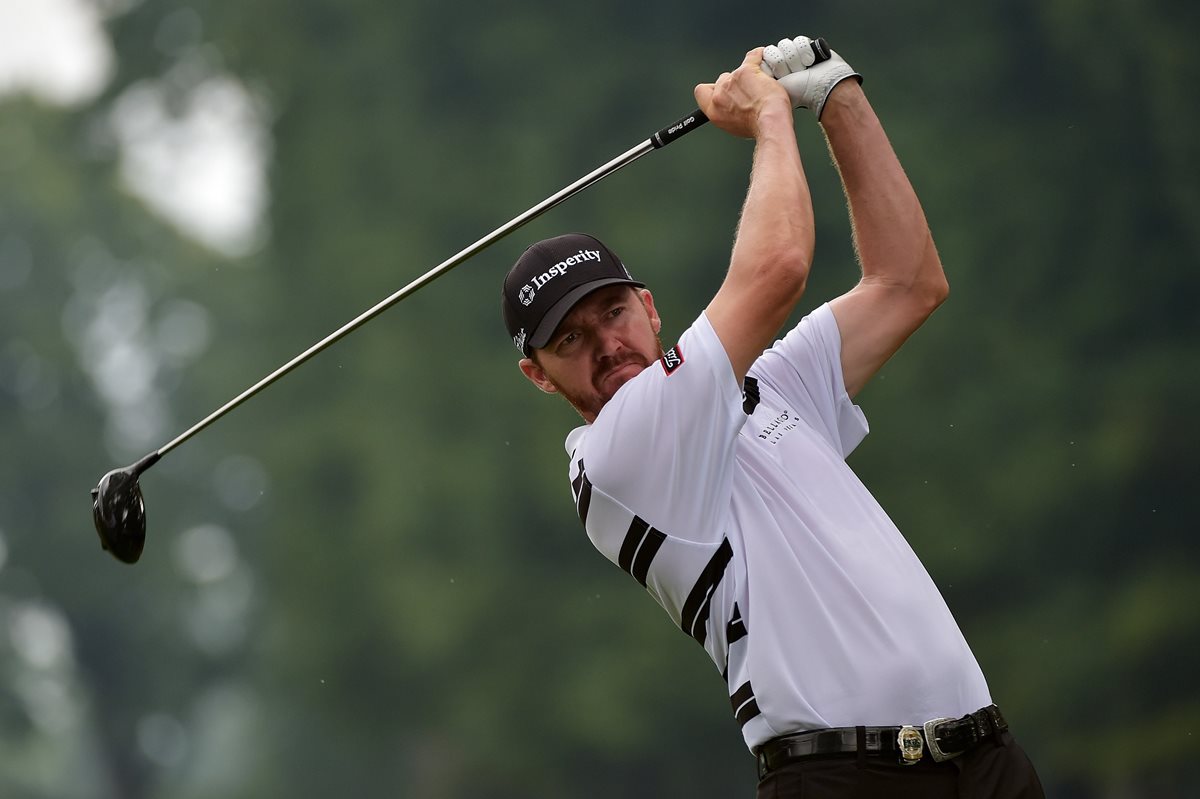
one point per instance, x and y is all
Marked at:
(622, 372)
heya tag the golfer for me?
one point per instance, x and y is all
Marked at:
(714, 472)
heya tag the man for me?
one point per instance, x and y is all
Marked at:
(715, 473)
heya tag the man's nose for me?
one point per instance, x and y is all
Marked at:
(608, 344)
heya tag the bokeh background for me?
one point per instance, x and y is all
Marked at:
(370, 581)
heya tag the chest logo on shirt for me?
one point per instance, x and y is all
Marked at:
(672, 359)
(774, 432)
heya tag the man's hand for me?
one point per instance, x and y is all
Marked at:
(739, 101)
(794, 63)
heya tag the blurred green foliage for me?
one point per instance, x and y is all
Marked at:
(404, 603)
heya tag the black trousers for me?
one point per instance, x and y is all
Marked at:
(989, 771)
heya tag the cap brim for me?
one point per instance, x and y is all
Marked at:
(553, 318)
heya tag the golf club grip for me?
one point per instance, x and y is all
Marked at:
(678, 129)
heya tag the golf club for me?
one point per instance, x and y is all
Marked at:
(118, 509)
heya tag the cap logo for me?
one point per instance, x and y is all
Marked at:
(526, 295)
(560, 268)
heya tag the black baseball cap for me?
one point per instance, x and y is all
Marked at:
(549, 278)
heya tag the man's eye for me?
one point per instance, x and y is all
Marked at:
(617, 311)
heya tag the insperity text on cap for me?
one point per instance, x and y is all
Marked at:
(549, 278)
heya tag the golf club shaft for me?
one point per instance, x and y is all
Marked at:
(660, 139)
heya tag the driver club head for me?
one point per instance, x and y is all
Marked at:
(120, 512)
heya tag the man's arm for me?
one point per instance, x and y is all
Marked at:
(773, 249)
(902, 279)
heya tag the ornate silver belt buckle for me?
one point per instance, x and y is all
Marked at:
(908, 740)
(935, 751)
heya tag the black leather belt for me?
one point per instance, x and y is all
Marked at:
(936, 740)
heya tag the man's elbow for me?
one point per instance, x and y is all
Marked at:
(924, 296)
(786, 273)
(937, 291)
(931, 286)
(793, 269)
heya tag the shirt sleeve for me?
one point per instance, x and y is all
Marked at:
(663, 445)
(805, 368)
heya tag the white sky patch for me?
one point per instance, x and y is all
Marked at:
(56, 50)
(202, 164)
(203, 168)
(39, 634)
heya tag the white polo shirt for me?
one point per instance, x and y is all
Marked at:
(739, 515)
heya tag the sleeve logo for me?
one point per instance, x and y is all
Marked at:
(672, 359)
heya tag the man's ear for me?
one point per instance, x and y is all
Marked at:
(537, 375)
(648, 302)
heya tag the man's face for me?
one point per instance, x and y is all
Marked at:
(606, 340)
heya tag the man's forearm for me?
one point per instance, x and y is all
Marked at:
(776, 224)
(891, 234)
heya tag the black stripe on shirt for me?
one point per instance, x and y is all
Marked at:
(745, 707)
(694, 617)
(645, 555)
(639, 548)
(747, 712)
(577, 482)
(583, 494)
(749, 395)
(633, 539)
(736, 630)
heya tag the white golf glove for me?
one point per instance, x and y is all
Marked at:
(794, 63)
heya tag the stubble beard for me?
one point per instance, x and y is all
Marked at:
(594, 403)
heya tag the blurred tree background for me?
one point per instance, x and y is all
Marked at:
(370, 581)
